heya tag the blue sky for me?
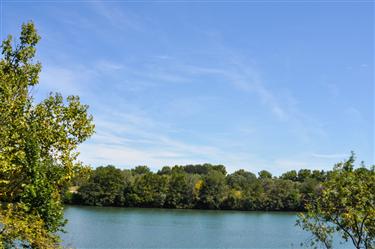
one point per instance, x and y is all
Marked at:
(272, 85)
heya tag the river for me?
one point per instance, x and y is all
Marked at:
(105, 227)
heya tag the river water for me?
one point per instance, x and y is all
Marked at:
(105, 227)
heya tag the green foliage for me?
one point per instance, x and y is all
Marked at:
(212, 192)
(139, 170)
(264, 174)
(204, 169)
(203, 186)
(38, 145)
(303, 174)
(241, 180)
(19, 228)
(290, 175)
(166, 170)
(148, 190)
(180, 192)
(105, 187)
(346, 205)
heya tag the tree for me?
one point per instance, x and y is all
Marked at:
(240, 195)
(38, 147)
(290, 175)
(303, 174)
(264, 174)
(148, 190)
(213, 190)
(346, 204)
(104, 188)
(241, 179)
(203, 169)
(139, 170)
(180, 191)
(285, 195)
(166, 170)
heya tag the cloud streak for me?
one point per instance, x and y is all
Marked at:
(330, 156)
(130, 136)
(117, 17)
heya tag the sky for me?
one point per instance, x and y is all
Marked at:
(274, 85)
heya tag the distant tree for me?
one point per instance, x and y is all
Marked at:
(220, 168)
(309, 189)
(240, 194)
(127, 177)
(166, 170)
(319, 175)
(139, 170)
(290, 175)
(264, 174)
(287, 195)
(180, 191)
(241, 179)
(213, 190)
(346, 205)
(278, 194)
(303, 174)
(233, 200)
(104, 188)
(148, 190)
(204, 169)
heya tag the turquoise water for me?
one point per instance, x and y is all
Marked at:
(103, 227)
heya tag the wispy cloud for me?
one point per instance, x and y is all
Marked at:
(135, 140)
(117, 17)
(75, 78)
(330, 156)
(129, 135)
(66, 80)
(246, 77)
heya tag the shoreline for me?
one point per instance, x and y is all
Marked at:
(186, 209)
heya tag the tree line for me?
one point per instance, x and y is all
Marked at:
(202, 186)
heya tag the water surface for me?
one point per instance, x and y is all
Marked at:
(104, 227)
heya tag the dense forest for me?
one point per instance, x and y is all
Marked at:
(196, 186)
